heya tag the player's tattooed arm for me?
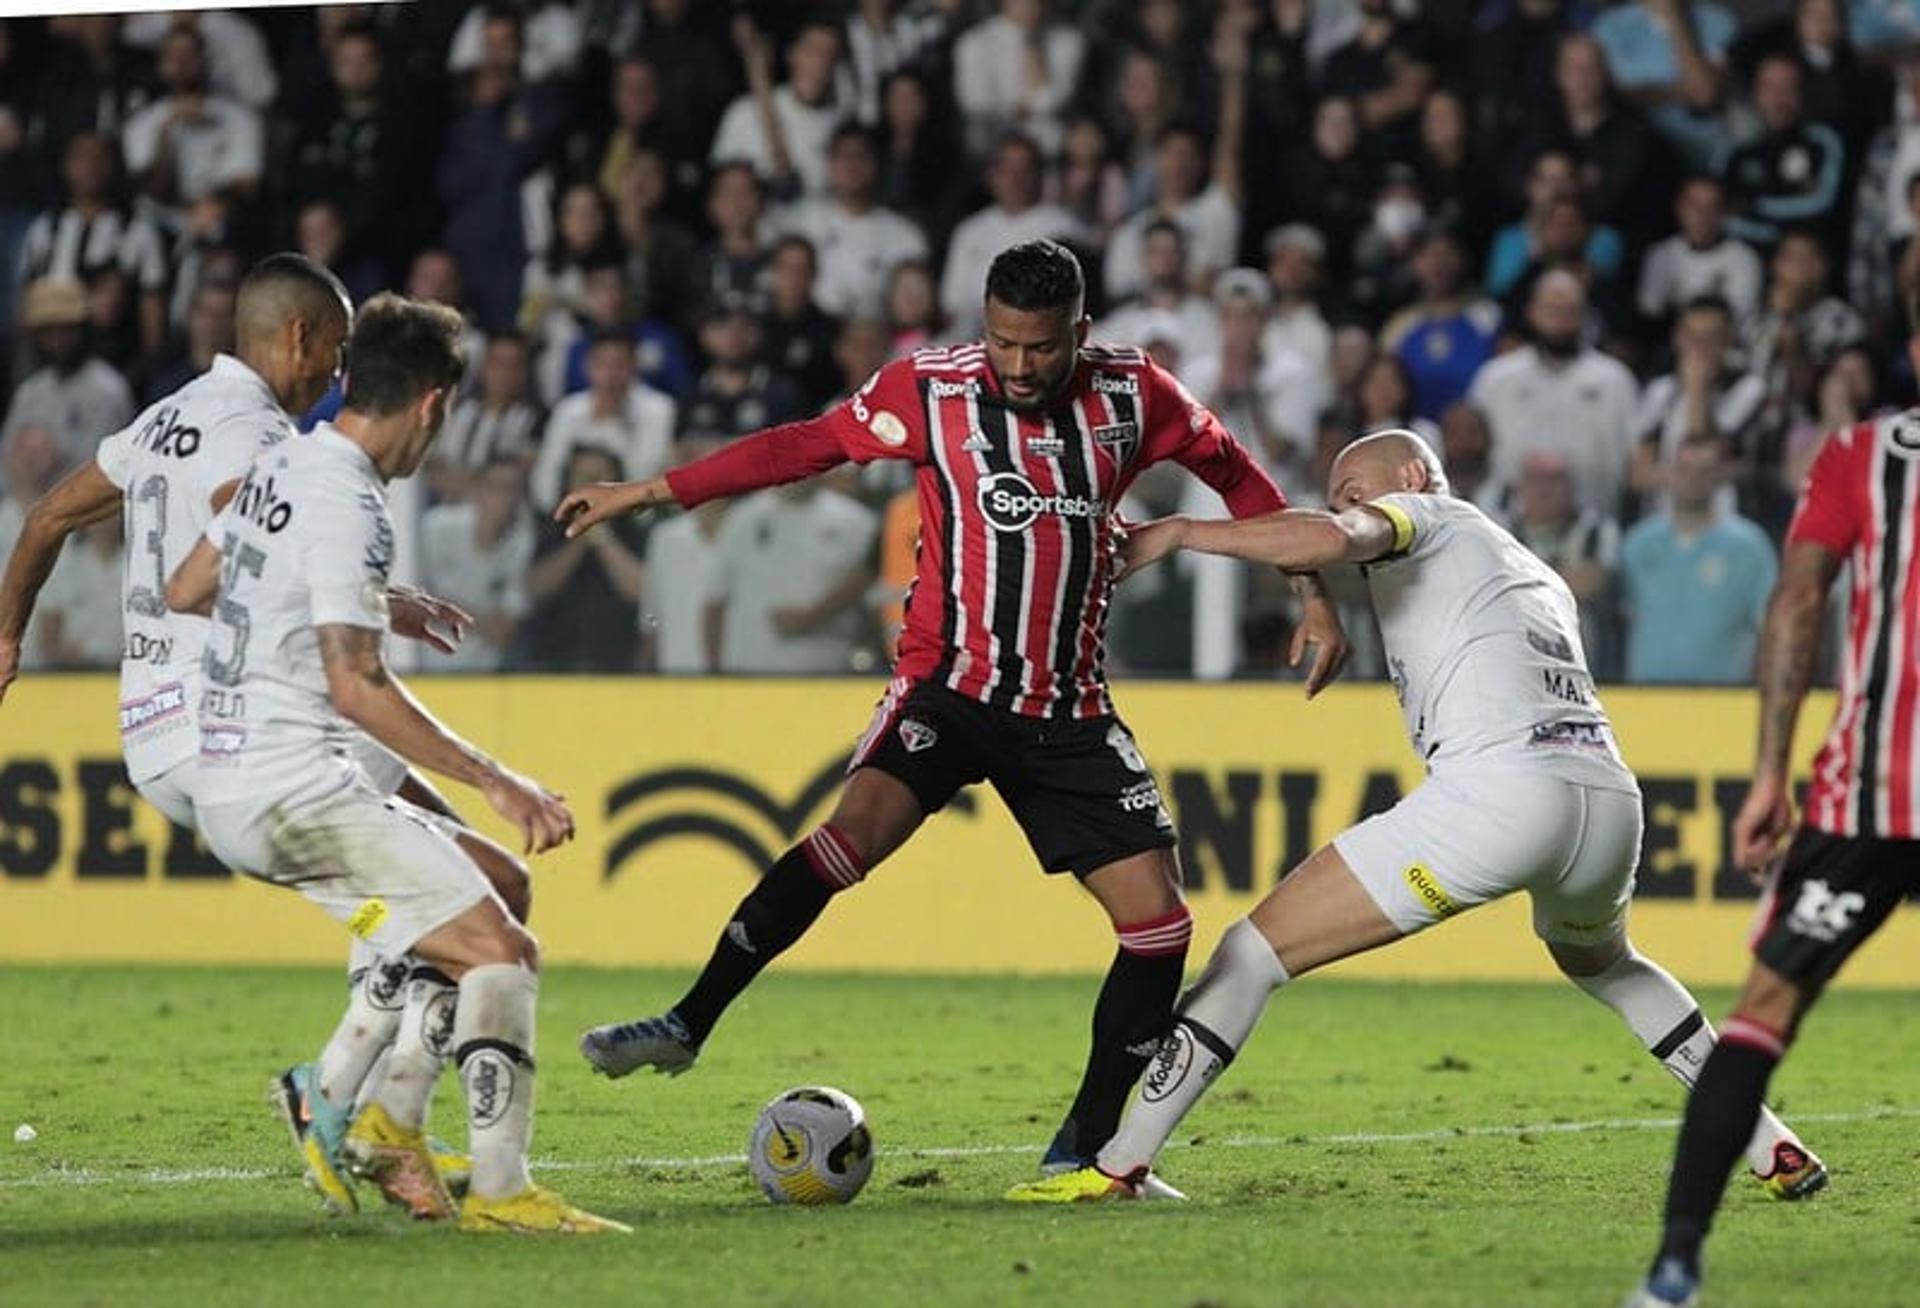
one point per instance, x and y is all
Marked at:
(82, 498)
(1297, 540)
(368, 695)
(590, 505)
(1789, 646)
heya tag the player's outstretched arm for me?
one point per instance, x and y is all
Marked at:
(591, 505)
(83, 497)
(1789, 647)
(368, 695)
(1297, 540)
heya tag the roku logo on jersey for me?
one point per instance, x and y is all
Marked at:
(259, 504)
(1010, 503)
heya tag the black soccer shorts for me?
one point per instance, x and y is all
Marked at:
(1833, 892)
(1078, 787)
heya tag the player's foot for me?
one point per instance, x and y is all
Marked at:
(534, 1210)
(398, 1161)
(317, 1129)
(455, 1168)
(1151, 1186)
(1671, 1285)
(1796, 1173)
(1079, 1186)
(662, 1043)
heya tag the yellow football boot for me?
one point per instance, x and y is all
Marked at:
(398, 1161)
(534, 1211)
(1079, 1186)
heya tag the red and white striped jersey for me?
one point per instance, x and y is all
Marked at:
(1017, 529)
(1862, 501)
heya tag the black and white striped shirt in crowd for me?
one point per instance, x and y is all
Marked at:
(70, 246)
(476, 435)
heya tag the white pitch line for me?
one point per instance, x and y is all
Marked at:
(200, 1175)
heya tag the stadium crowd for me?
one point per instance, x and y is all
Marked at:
(1625, 264)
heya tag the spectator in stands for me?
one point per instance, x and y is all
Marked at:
(795, 565)
(617, 413)
(500, 424)
(476, 552)
(784, 130)
(239, 65)
(609, 308)
(98, 231)
(1847, 93)
(1380, 277)
(1882, 212)
(506, 132)
(1279, 79)
(550, 44)
(1014, 175)
(209, 332)
(1270, 399)
(639, 122)
(1166, 291)
(1144, 103)
(1556, 393)
(914, 318)
(1700, 259)
(1800, 327)
(1566, 239)
(554, 286)
(920, 140)
(1583, 546)
(1448, 332)
(1453, 175)
(1620, 161)
(1552, 177)
(197, 156)
(1087, 183)
(859, 351)
(1694, 580)
(1706, 395)
(735, 260)
(660, 252)
(1847, 392)
(799, 334)
(884, 37)
(434, 276)
(1351, 348)
(30, 463)
(699, 73)
(1671, 57)
(1016, 72)
(738, 393)
(1385, 399)
(1514, 54)
(1466, 450)
(1791, 173)
(1295, 255)
(365, 150)
(320, 233)
(92, 82)
(583, 594)
(1386, 69)
(78, 397)
(1334, 180)
(77, 619)
(1207, 212)
(679, 610)
(858, 241)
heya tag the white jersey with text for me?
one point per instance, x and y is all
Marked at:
(168, 463)
(1483, 646)
(306, 543)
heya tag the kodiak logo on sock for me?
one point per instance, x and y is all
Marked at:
(1170, 1068)
(489, 1080)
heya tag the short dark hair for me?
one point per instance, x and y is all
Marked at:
(284, 287)
(854, 130)
(1037, 275)
(400, 350)
(1708, 302)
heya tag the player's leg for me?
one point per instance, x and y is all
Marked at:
(1580, 914)
(1831, 894)
(896, 780)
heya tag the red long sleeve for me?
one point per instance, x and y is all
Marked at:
(790, 452)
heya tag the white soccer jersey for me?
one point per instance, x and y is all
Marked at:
(168, 463)
(1483, 647)
(306, 543)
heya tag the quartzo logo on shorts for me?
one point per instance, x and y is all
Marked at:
(1010, 503)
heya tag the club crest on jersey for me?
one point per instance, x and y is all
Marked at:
(1010, 503)
(1121, 441)
(1903, 436)
(917, 736)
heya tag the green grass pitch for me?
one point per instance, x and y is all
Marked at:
(1376, 1145)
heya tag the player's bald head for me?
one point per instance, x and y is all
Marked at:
(1381, 463)
(287, 288)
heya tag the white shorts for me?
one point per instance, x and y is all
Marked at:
(1460, 841)
(387, 870)
(172, 792)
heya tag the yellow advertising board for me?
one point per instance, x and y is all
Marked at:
(686, 789)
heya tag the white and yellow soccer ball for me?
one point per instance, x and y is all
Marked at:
(811, 1145)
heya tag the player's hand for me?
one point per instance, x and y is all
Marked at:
(1320, 627)
(9, 665)
(542, 817)
(592, 505)
(1147, 544)
(1762, 823)
(415, 614)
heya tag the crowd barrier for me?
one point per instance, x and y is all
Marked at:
(685, 788)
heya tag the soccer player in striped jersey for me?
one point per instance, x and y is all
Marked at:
(1525, 790)
(1023, 444)
(1854, 857)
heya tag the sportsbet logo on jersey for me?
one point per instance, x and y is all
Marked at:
(686, 790)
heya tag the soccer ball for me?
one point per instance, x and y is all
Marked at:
(811, 1146)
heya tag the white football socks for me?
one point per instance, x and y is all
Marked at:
(493, 1043)
(1669, 1023)
(421, 1047)
(1212, 1022)
(376, 992)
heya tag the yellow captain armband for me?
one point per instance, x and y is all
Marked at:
(1402, 526)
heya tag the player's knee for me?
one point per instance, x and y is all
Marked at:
(836, 858)
(1580, 963)
(1771, 1002)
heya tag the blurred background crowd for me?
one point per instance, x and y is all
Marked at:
(1624, 264)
